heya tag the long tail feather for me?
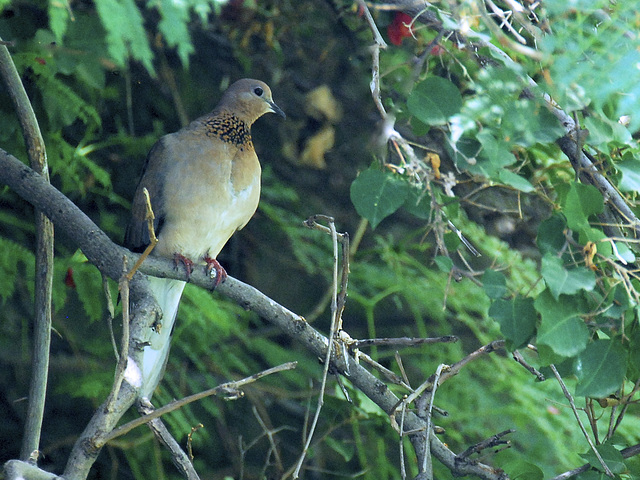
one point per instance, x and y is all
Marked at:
(154, 357)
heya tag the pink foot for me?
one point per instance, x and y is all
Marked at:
(220, 273)
(188, 264)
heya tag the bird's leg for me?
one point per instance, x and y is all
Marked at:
(188, 264)
(213, 264)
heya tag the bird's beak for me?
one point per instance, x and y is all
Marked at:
(276, 109)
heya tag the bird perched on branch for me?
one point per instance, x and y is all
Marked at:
(204, 184)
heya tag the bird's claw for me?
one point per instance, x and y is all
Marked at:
(215, 270)
(188, 263)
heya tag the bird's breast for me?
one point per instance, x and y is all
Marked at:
(209, 200)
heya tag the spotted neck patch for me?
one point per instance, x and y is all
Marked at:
(228, 128)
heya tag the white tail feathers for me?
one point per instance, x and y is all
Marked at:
(154, 357)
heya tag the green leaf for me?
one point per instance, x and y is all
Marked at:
(561, 328)
(434, 100)
(611, 456)
(494, 156)
(376, 194)
(521, 470)
(580, 202)
(516, 181)
(494, 284)
(445, 264)
(126, 36)
(600, 369)
(418, 203)
(173, 25)
(59, 18)
(517, 319)
(562, 281)
(344, 449)
(630, 181)
(551, 237)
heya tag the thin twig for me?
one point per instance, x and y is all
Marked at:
(123, 287)
(225, 388)
(517, 356)
(490, 442)
(427, 464)
(332, 335)
(569, 397)
(402, 341)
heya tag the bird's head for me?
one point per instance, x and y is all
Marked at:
(249, 99)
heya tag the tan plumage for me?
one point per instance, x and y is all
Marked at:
(204, 184)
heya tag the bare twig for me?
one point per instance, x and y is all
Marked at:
(488, 443)
(402, 341)
(335, 323)
(123, 287)
(569, 397)
(517, 356)
(179, 457)
(231, 389)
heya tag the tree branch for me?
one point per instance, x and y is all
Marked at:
(44, 260)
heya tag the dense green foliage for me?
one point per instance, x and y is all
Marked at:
(487, 232)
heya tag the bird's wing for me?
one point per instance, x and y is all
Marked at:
(153, 177)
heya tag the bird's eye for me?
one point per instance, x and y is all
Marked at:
(258, 91)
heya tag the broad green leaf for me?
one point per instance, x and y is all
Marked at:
(418, 203)
(516, 181)
(377, 194)
(630, 181)
(551, 237)
(561, 328)
(563, 281)
(494, 284)
(548, 129)
(580, 202)
(434, 100)
(494, 156)
(600, 369)
(611, 456)
(517, 319)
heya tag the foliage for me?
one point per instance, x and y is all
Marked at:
(488, 232)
